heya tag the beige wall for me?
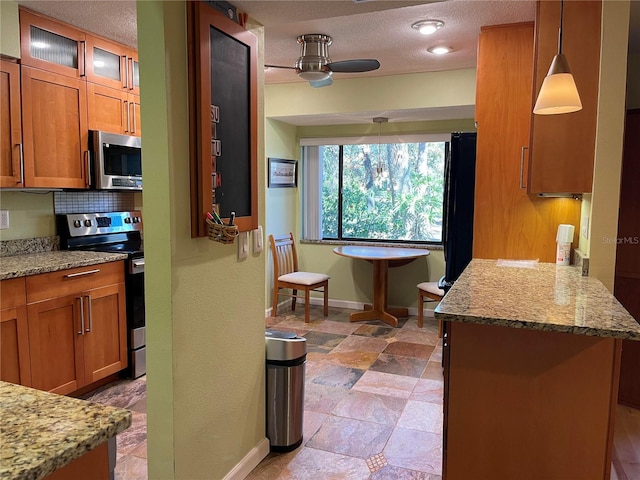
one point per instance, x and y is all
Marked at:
(205, 308)
(9, 29)
(609, 141)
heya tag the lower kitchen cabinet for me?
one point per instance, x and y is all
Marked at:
(15, 363)
(77, 326)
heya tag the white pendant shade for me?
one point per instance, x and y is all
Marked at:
(558, 93)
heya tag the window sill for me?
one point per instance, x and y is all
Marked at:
(431, 246)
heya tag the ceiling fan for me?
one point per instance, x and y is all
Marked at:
(315, 66)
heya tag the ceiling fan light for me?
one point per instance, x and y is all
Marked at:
(315, 75)
(427, 27)
(558, 93)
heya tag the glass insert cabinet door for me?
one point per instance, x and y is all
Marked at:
(112, 64)
(223, 62)
(51, 46)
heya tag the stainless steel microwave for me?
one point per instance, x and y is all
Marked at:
(117, 161)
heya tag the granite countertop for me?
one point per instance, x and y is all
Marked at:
(43, 262)
(538, 296)
(41, 432)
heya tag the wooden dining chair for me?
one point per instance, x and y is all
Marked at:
(287, 276)
(434, 293)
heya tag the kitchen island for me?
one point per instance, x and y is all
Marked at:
(48, 435)
(532, 359)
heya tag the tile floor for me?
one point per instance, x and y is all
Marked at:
(373, 406)
(131, 456)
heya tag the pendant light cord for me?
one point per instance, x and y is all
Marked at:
(560, 32)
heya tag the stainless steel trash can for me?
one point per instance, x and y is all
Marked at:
(286, 357)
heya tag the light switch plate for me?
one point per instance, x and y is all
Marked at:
(243, 244)
(258, 240)
(4, 219)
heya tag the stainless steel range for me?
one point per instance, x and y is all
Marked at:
(117, 232)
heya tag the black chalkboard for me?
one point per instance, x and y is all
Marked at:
(230, 91)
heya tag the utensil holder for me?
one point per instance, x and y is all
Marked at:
(222, 233)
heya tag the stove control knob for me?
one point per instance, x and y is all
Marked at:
(136, 219)
(87, 223)
(127, 220)
(77, 223)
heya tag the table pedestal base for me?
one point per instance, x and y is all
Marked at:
(389, 315)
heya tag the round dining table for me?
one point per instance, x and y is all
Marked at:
(382, 258)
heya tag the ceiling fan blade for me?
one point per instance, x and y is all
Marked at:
(354, 66)
(279, 66)
(321, 83)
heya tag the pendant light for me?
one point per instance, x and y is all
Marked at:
(558, 93)
(380, 167)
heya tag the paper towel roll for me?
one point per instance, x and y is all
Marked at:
(565, 233)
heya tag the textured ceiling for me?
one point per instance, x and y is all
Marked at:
(360, 29)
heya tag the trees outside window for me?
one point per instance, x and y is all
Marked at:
(385, 192)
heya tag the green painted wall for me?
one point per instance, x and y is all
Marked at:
(351, 281)
(9, 29)
(205, 308)
(30, 214)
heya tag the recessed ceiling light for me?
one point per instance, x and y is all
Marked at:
(427, 27)
(439, 50)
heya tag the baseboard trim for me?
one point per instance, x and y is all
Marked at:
(428, 312)
(250, 461)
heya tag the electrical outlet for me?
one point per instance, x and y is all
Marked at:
(4, 219)
(258, 240)
(584, 226)
(243, 245)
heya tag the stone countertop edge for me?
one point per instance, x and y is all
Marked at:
(44, 262)
(542, 297)
(42, 432)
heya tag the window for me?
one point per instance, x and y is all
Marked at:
(392, 191)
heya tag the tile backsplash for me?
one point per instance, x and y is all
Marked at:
(94, 202)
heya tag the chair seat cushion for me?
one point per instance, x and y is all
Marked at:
(303, 278)
(431, 287)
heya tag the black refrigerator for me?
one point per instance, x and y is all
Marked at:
(459, 190)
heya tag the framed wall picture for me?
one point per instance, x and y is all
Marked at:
(282, 173)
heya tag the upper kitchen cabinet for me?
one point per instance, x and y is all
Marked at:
(562, 146)
(112, 65)
(55, 130)
(10, 128)
(508, 222)
(115, 111)
(52, 46)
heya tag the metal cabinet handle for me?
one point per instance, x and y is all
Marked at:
(126, 107)
(522, 185)
(130, 73)
(81, 332)
(21, 163)
(80, 274)
(133, 115)
(87, 165)
(90, 314)
(125, 77)
(82, 58)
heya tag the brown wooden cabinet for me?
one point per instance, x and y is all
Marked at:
(77, 326)
(508, 222)
(51, 45)
(10, 126)
(54, 129)
(627, 277)
(111, 110)
(15, 363)
(562, 147)
(112, 65)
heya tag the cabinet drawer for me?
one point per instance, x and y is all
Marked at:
(12, 293)
(67, 282)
